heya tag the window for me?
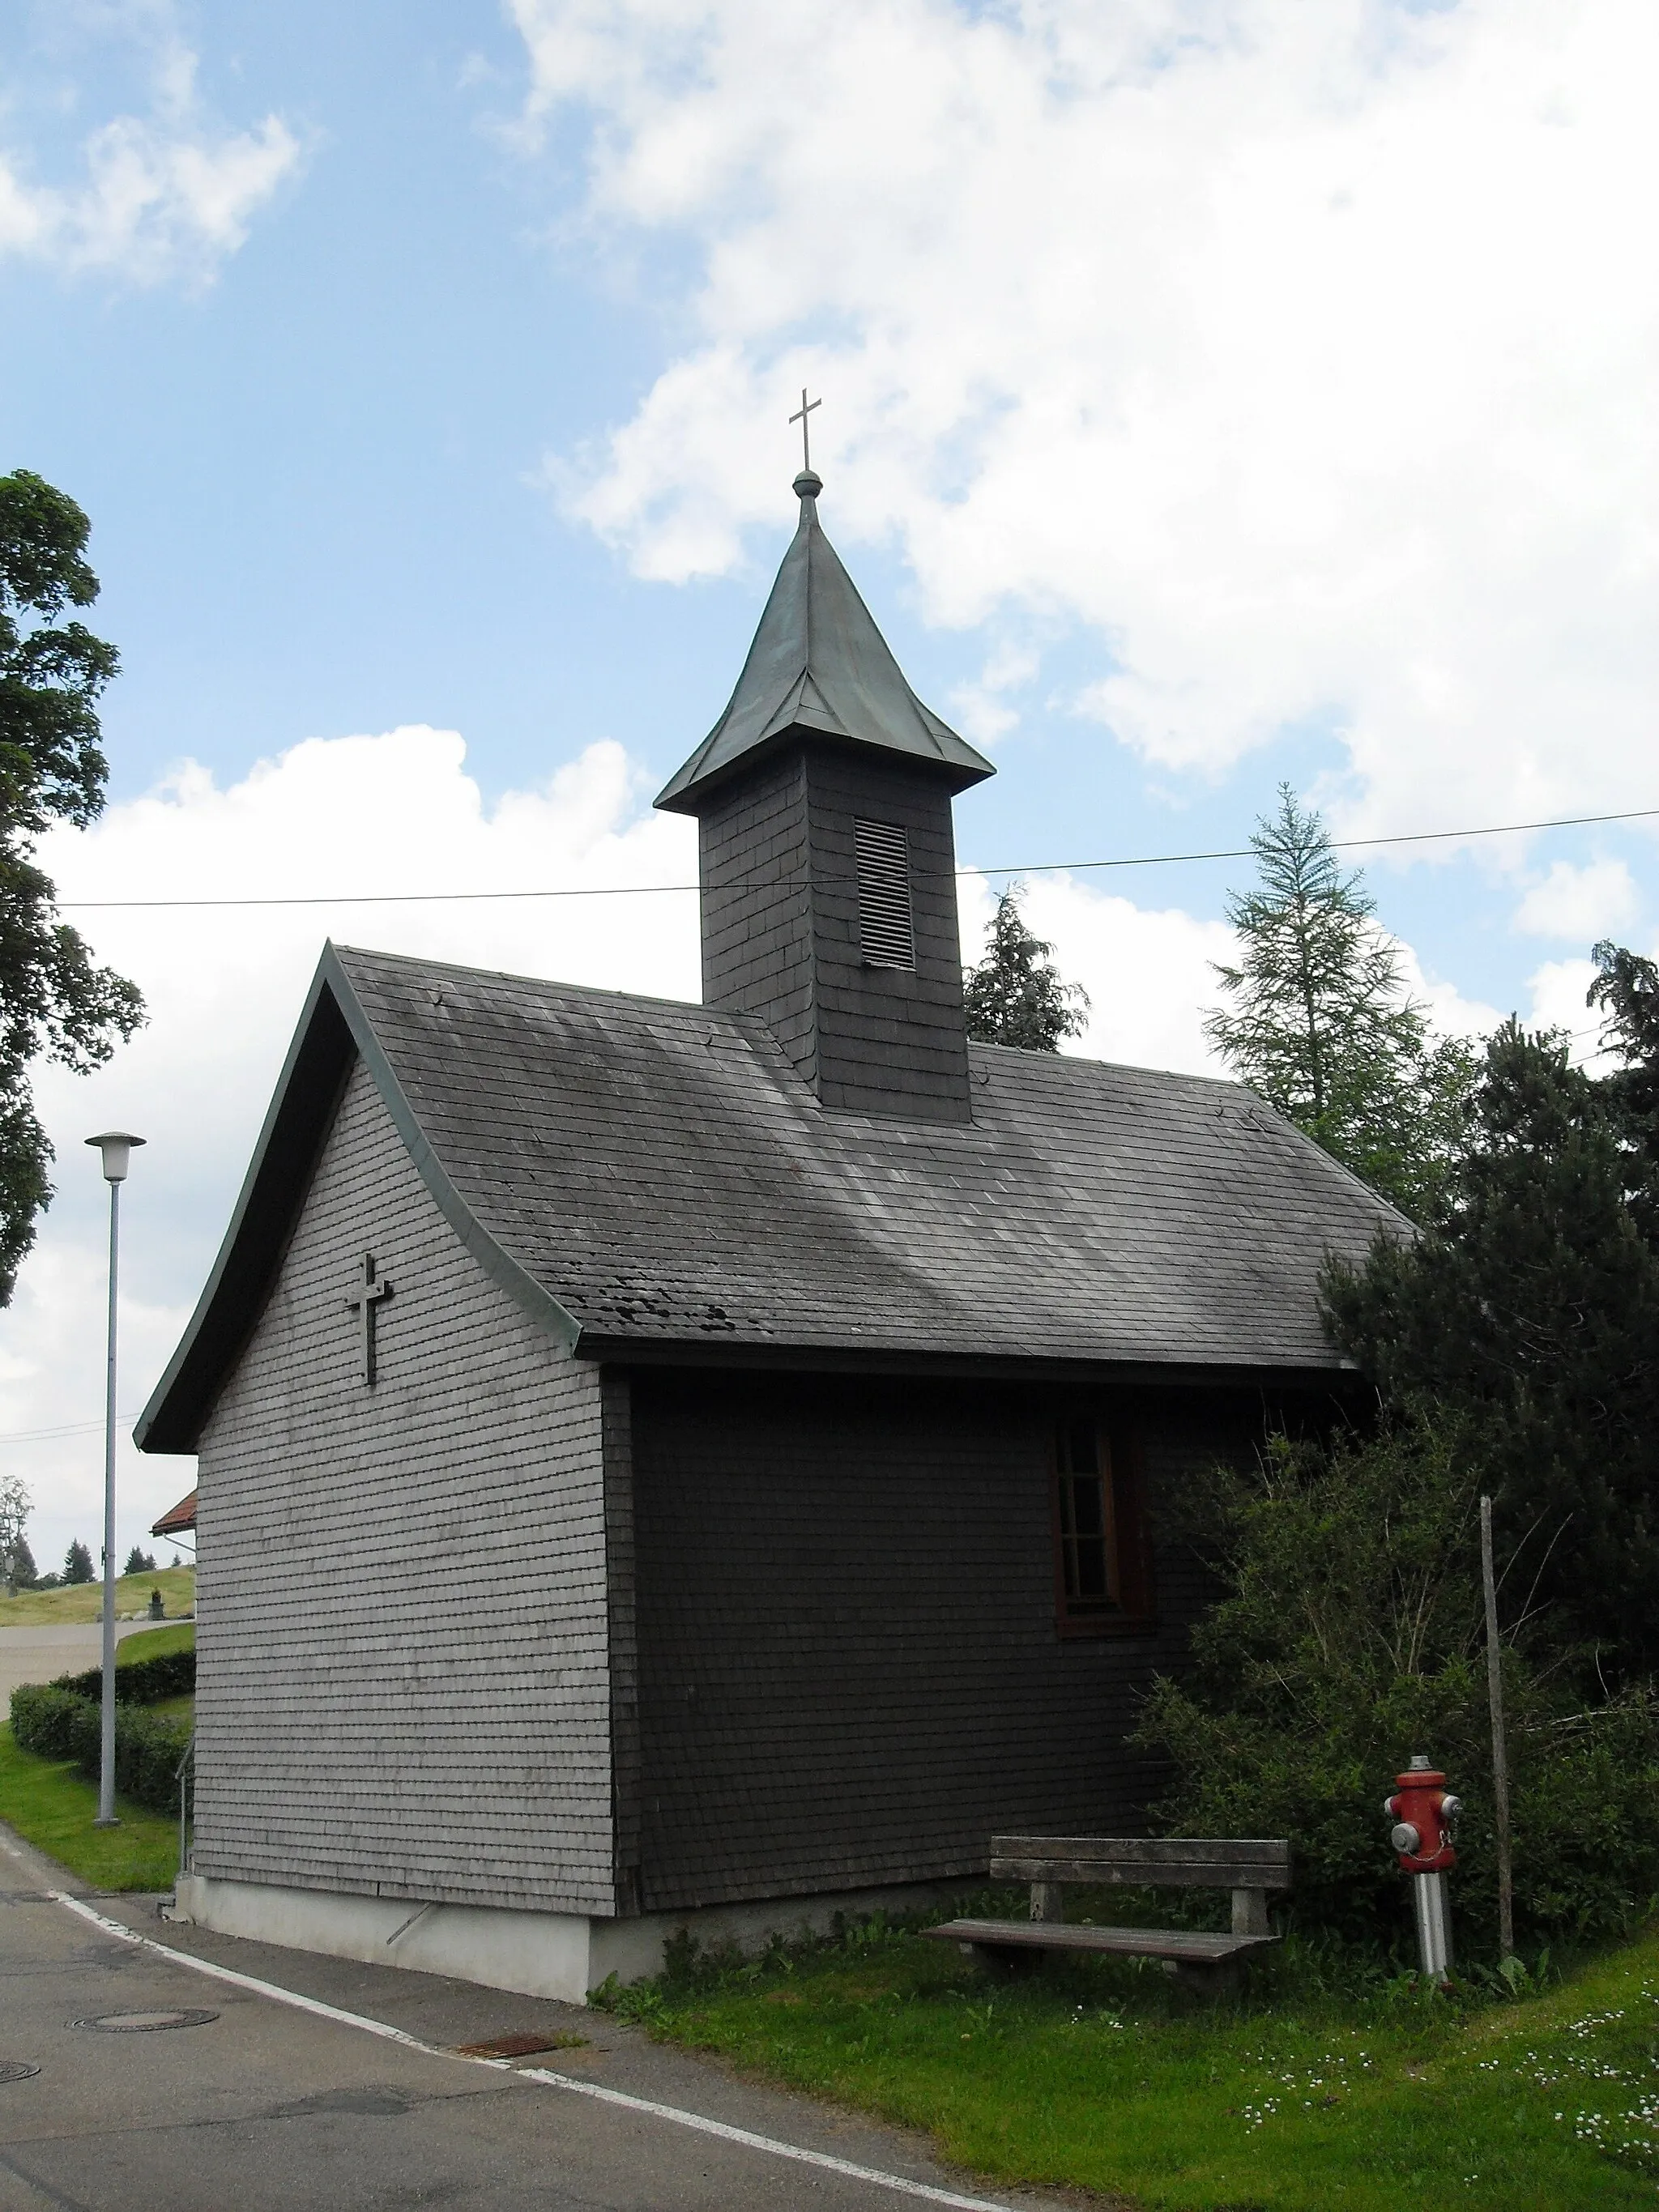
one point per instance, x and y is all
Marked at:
(1102, 1583)
(887, 935)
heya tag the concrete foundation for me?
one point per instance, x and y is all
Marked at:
(544, 1954)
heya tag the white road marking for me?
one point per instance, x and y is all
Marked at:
(673, 2113)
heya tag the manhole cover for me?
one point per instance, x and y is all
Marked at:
(142, 2023)
(16, 2069)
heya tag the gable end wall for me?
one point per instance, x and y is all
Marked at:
(404, 1684)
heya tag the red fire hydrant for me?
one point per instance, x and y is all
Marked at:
(1423, 1813)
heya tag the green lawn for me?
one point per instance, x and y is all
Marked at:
(85, 1600)
(51, 1807)
(1108, 2079)
(155, 1643)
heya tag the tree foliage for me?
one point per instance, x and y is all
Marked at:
(1347, 1636)
(16, 1561)
(139, 1562)
(1320, 1022)
(1526, 1317)
(77, 1563)
(1014, 995)
(54, 1000)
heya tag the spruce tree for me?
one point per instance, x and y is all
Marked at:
(77, 1563)
(1320, 1022)
(1014, 995)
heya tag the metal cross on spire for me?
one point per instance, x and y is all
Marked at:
(806, 407)
(369, 1297)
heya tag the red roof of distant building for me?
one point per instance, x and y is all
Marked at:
(180, 1521)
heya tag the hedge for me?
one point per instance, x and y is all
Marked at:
(52, 1721)
(145, 1682)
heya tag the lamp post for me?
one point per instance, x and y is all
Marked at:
(117, 1147)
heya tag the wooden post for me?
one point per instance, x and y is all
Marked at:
(1250, 1912)
(1048, 1901)
(1500, 1768)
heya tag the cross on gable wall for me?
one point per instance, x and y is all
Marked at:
(365, 1302)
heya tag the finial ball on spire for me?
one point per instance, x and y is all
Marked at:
(808, 484)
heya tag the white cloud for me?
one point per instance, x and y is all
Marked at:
(168, 194)
(1597, 900)
(1147, 970)
(1559, 990)
(1304, 355)
(395, 812)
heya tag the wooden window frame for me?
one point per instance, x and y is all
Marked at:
(1118, 1454)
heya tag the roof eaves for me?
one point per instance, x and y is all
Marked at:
(332, 1030)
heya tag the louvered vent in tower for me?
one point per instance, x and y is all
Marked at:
(887, 935)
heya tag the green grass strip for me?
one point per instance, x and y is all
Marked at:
(1110, 2081)
(52, 1806)
(155, 1643)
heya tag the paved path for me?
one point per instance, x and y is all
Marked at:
(51, 1648)
(267, 2108)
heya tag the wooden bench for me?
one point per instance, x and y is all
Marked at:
(1251, 1868)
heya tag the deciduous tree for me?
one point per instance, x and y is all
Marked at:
(54, 1000)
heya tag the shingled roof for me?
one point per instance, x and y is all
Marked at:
(653, 1178)
(818, 663)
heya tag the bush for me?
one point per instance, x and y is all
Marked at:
(145, 1682)
(55, 1723)
(43, 1717)
(1349, 1635)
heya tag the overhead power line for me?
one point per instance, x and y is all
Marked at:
(1024, 868)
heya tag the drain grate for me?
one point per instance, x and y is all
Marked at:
(16, 2069)
(522, 2046)
(144, 2023)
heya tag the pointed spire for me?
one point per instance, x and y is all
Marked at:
(818, 666)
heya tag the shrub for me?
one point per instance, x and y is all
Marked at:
(145, 1682)
(43, 1717)
(55, 1723)
(1348, 1636)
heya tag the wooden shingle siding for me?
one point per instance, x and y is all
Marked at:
(849, 1669)
(780, 935)
(403, 1643)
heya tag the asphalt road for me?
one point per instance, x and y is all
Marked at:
(48, 1649)
(264, 2107)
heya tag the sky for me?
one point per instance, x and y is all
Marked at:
(1215, 393)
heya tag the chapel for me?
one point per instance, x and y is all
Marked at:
(673, 1466)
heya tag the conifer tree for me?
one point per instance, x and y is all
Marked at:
(1014, 995)
(1320, 1022)
(78, 1563)
(1522, 1318)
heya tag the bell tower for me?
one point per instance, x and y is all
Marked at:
(827, 857)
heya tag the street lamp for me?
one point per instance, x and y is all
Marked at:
(117, 1146)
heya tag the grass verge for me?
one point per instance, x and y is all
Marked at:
(85, 1600)
(155, 1643)
(1301, 2099)
(52, 1806)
